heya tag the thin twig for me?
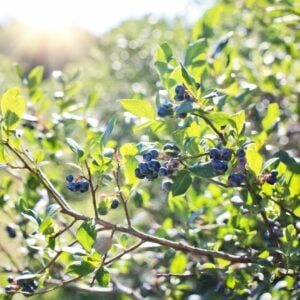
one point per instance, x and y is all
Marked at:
(93, 190)
(64, 229)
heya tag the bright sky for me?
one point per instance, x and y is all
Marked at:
(95, 15)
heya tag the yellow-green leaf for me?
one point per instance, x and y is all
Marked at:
(13, 106)
(139, 108)
(178, 264)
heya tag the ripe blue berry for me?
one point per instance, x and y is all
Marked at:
(71, 186)
(215, 153)
(154, 153)
(83, 186)
(226, 154)
(236, 179)
(147, 156)
(179, 97)
(167, 185)
(165, 110)
(115, 203)
(154, 165)
(69, 178)
(270, 179)
(163, 171)
(274, 173)
(10, 279)
(179, 89)
(11, 231)
(139, 174)
(240, 153)
(219, 166)
(144, 168)
(8, 289)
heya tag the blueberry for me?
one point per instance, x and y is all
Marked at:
(69, 178)
(240, 153)
(163, 171)
(215, 153)
(274, 173)
(236, 179)
(83, 186)
(179, 97)
(147, 156)
(77, 186)
(138, 173)
(162, 111)
(180, 115)
(167, 185)
(9, 288)
(144, 168)
(10, 279)
(179, 89)
(154, 153)
(152, 176)
(168, 147)
(188, 97)
(242, 161)
(226, 154)
(28, 289)
(71, 186)
(115, 203)
(174, 163)
(219, 166)
(11, 231)
(154, 165)
(270, 179)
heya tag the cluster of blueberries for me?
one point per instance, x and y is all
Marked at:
(271, 177)
(151, 168)
(219, 159)
(237, 178)
(27, 285)
(181, 94)
(10, 231)
(77, 185)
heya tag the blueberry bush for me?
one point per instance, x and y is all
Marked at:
(203, 203)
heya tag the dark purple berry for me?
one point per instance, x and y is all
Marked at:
(226, 154)
(240, 153)
(179, 89)
(77, 186)
(179, 97)
(236, 179)
(168, 147)
(138, 173)
(274, 173)
(28, 289)
(219, 166)
(69, 178)
(11, 231)
(173, 163)
(9, 288)
(154, 153)
(163, 171)
(167, 185)
(154, 165)
(270, 179)
(215, 153)
(10, 279)
(115, 203)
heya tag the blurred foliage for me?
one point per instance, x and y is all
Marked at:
(240, 62)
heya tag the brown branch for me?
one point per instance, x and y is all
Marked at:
(64, 229)
(93, 189)
(124, 202)
(212, 126)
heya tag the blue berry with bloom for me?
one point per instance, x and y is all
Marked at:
(219, 166)
(236, 179)
(240, 153)
(215, 153)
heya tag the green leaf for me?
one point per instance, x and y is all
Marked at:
(86, 235)
(186, 107)
(272, 116)
(219, 118)
(254, 160)
(80, 268)
(269, 163)
(35, 77)
(178, 264)
(194, 50)
(76, 148)
(181, 183)
(289, 161)
(239, 121)
(221, 44)
(110, 126)
(103, 277)
(13, 106)
(203, 170)
(139, 108)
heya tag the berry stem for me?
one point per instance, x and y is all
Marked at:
(93, 190)
(212, 126)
